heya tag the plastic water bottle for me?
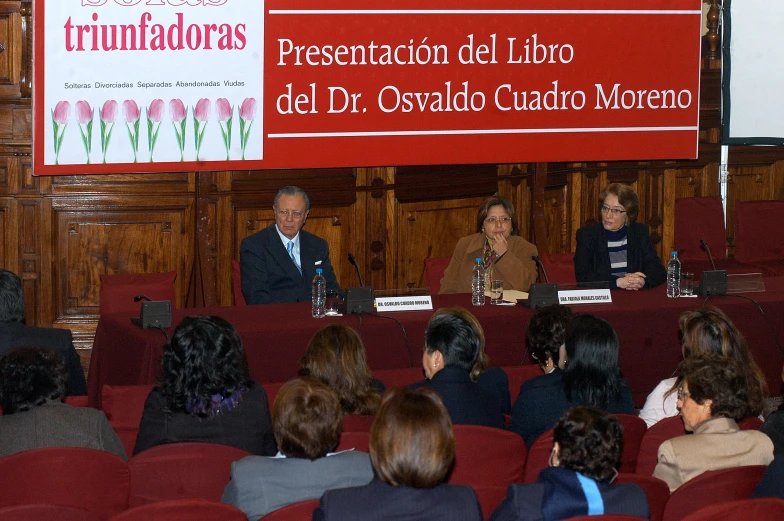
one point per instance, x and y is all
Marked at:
(478, 284)
(674, 276)
(319, 294)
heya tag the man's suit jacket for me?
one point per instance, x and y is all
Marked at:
(466, 402)
(716, 444)
(380, 502)
(16, 334)
(260, 485)
(269, 276)
(772, 482)
(592, 260)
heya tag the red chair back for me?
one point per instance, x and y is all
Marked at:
(489, 498)
(118, 291)
(538, 456)
(302, 511)
(124, 406)
(634, 429)
(559, 268)
(761, 509)
(759, 231)
(752, 423)
(181, 471)
(486, 456)
(606, 517)
(183, 510)
(76, 401)
(46, 513)
(705, 489)
(656, 490)
(354, 440)
(236, 283)
(399, 377)
(434, 272)
(357, 423)
(699, 218)
(272, 391)
(517, 374)
(87, 479)
(661, 431)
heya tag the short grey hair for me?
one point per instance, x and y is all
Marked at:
(292, 191)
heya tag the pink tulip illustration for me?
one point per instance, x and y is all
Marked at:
(108, 115)
(60, 115)
(225, 113)
(179, 117)
(84, 116)
(154, 117)
(131, 115)
(201, 115)
(247, 115)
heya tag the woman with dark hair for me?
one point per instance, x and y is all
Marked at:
(412, 449)
(306, 420)
(452, 348)
(707, 330)
(205, 393)
(586, 451)
(32, 388)
(545, 336)
(618, 249)
(591, 376)
(713, 391)
(496, 242)
(336, 357)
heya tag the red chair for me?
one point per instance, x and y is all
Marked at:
(538, 456)
(46, 513)
(183, 510)
(181, 471)
(761, 509)
(236, 283)
(606, 517)
(354, 440)
(752, 423)
(272, 391)
(559, 268)
(517, 374)
(302, 511)
(124, 406)
(702, 491)
(489, 497)
(656, 490)
(434, 272)
(486, 456)
(400, 377)
(634, 429)
(76, 401)
(88, 479)
(661, 431)
(357, 423)
(759, 235)
(118, 291)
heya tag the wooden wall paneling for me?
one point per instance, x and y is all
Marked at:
(515, 183)
(225, 233)
(574, 190)
(651, 183)
(11, 48)
(376, 229)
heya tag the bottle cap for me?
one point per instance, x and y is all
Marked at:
(675, 254)
(478, 260)
(319, 271)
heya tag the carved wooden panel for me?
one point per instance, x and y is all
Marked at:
(6, 234)
(10, 49)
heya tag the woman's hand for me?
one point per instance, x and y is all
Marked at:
(500, 245)
(631, 281)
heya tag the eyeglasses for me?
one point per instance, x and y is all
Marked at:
(297, 214)
(682, 395)
(502, 220)
(615, 211)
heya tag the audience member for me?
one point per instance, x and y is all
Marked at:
(205, 393)
(306, 420)
(32, 388)
(774, 427)
(714, 390)
(546, 334)
(591, 376)
(586, 451)
(13, 333)
(412, 449)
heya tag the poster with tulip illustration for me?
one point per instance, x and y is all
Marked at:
(175, 85)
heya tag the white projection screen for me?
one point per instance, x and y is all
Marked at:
(753, 73)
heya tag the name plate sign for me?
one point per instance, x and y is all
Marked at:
(585, 296)
(384, 304)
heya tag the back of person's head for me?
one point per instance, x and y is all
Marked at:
(411, 440)
(455, 339)
(589, 441)
(546, 332)
(721, 380)
(336, 357)
(306, 419)
(12, 304)
(592, 375)
(203, 361)
(482, 360)
(29, 376)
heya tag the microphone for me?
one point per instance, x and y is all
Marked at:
(358, 300)
(540, 295)
(541, 265)
(137, 298)
(710, 256)
(353, 261)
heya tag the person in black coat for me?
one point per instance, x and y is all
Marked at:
(412, 449)
(586, 449)
(618, 249)
(451, 350)
(278, 263)
(14, 334)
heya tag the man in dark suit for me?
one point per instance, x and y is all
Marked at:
(13, 333)
(278, 263)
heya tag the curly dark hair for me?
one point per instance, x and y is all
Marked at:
(29, 376)
(546, 332)
(590, 442)
(12, 304)
(204, 358)
(720, 379)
